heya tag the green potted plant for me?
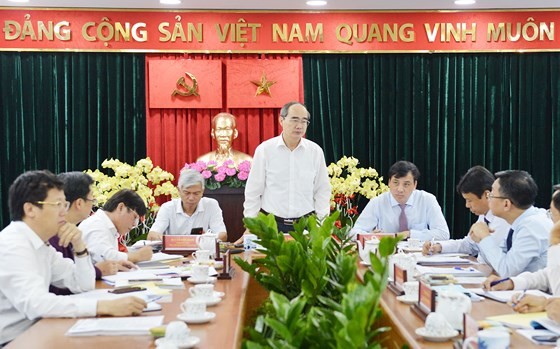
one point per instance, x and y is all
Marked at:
(316, 299)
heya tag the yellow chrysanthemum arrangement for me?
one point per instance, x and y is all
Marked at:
(148, 181)
(347, 181)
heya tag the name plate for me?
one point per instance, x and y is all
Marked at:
(399, 277)
(179, 244)
(426, 300)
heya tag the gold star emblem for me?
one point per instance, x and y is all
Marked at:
(263, 86)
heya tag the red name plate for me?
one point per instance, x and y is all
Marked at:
(400, 276)
(288, 237)
(426, 298)
(179, 242)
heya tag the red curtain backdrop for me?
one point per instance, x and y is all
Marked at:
(176, 136)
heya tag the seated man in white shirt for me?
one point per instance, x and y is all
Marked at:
(547, 279)
(404, 210)
(525, 247)
(120, 214)
(38, 209)
(190, 211)
(473, 187)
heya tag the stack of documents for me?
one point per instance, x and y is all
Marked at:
(442, 259)
(455, 271)
(506, 296)
(118, 326)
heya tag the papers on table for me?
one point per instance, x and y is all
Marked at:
(152, 275)
(142, 243)
(530, 333)
(442, 259)
(505, 296)
(123, 326)
(517, 320)
(104, 294)
(455, 271)
(548, 324)
(458, 288)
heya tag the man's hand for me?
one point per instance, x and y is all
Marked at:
(431, 248)
(479, 231)
(69, 233)
(121, 307)
(107, 267)
(553, 309)
(504, 285)
(143, 254)
(240, 240)
(153, 235)
(126, 265)
(528, 304)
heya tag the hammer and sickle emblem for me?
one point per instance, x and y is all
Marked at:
(182, 84)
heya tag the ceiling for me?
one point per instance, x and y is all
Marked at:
(292, 4)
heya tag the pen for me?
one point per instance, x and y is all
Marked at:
(494, 283)
(520, 297)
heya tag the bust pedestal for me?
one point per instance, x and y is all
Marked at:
(231, 201)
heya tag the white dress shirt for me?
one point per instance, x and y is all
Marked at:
(286, 183)
(29, 266)
(101, 238)
(547, 279)
(172, 220)
(529, 245)
(466, 245)
(423, 214)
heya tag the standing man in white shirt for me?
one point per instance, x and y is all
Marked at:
(474, 186)
(120, 214)
(190, 211)
(404, 210)
(289, 175)
(38, 210)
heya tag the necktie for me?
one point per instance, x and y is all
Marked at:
(486, 221)
(508, 240)
(403, 223)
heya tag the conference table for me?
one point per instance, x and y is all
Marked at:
(243, 296)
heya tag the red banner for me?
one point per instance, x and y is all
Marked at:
(274, 32)
(184, 84)
(259, 83)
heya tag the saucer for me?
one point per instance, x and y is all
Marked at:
(210, 301)
(434, 338)
(208, 280)
(189, 343)
(219, 294)
(411, 249)
(367, 264)
(407, 300)
(196, 319)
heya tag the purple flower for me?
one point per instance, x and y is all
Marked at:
(201, 165)
(219, 177)
(245, 166)
(222, 169)
(243, 175)
(228, 163)
(231, 171)
(206, 174)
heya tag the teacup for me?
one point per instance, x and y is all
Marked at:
(249, 241)
(411, 289)
(436, 325)
(495, 339)
(202, 291)
(194, 306)
(200, 272)
(177, 333)
(202, 255)
(414, 243)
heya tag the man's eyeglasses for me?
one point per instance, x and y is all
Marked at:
(136, 217)
(294, 121)
(59, 204)
(492, 196)
(93, 201)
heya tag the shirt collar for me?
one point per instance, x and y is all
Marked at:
(280, 142)
(108, 222)
(409, 202)
(179, 207)
(30, 234)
